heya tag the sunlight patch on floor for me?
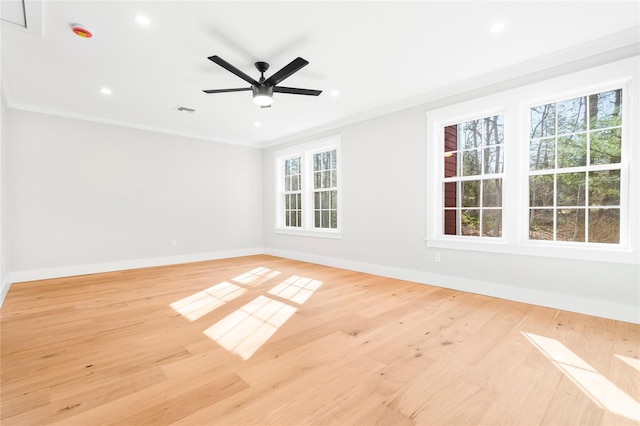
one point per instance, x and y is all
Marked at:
(203, 302)
(256, 276)
(602, 391)
(244, 331)
(296, 289)
(633, 362)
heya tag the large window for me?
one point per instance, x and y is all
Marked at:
(308, 189)
(472, 184)
(548, 169)
(575, 154)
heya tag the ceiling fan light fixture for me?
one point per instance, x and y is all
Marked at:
(263, 95)
(262, 99)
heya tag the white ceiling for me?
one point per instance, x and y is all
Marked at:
(380, 55)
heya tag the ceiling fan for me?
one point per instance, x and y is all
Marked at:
(263, 89)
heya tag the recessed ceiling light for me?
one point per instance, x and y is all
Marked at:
(105, 91)
(142, 20)
(497, 27)
(335, 93)
(257, 124)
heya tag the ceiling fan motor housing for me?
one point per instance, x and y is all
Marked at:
(262, 89)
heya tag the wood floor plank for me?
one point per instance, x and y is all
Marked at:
(433, 397)
(357, 349)
(179, 406)
(380, 414)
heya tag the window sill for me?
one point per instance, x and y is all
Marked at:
(601, 253)
(336, 235)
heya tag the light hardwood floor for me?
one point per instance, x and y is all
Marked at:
(346, 349)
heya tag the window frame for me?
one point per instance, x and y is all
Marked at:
(306, 152)
(515, 104)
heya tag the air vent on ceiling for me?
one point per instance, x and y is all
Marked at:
(186, 109)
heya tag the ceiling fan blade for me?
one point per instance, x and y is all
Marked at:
(240, 89)
(226, 65)
(294, 91)
(285, 72)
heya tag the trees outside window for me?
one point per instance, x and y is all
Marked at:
(575, 153)
(325, 189)
(546, 169)
(292, 193)
(473, 174)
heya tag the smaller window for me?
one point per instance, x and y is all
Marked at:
(308, 189)
(292, 193)
(472, 181)
(325, 190)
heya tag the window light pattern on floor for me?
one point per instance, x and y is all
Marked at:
(249, 327)
(203, 302)
(296, 289)
(597, 387)
(256, 276)
(245, 330)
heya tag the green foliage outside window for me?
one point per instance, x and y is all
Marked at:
(574, 161)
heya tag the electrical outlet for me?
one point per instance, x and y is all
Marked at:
(174, 243)
(436, 257)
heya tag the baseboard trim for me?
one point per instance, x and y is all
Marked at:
(599, 308)
(95, 268)
(4, 288)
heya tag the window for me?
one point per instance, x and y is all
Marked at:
(292, 193)
(575, 149)
(547, 169)
(308, 189)
(325, 189)
(472, 184)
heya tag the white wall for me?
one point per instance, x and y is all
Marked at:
(4, 258)
(84, 196)
(384, 212)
